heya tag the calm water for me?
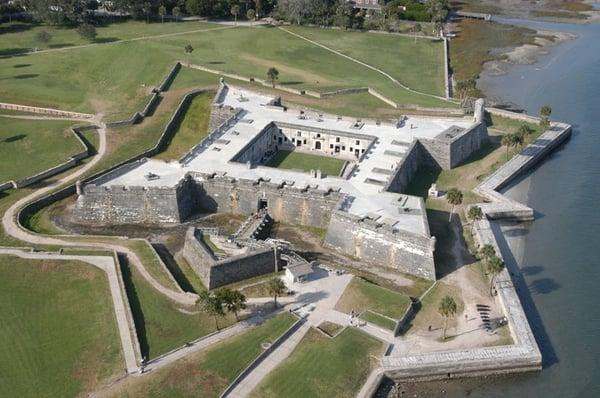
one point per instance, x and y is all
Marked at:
(560, 261)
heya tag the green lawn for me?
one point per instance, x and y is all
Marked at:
(160, 323)
(306, 162)
(86, 79)
(208, 373)
(379, 320)
(192, 129)
(28, 147)
(361, 296)
(58, 335)
(323, 367)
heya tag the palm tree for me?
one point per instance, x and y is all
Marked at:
(495, 265)
(211, 304)
(235, 10)
(517, 140)
(162, 11)
(487, 251)
(475, 214)
(507, 141)
(524, 130)
(233, 300)
(454, 197)
(272, 75)
(447, 309)
(276, 288)
(545, 112)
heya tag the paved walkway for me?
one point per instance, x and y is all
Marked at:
(321, 292)
(15, 230)
(107, 264)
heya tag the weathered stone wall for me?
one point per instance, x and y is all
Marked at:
(382, 246)
(216, 273)
(406, 169)
(285, 203)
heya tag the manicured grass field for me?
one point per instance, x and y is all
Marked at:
(208, 373)
(58, 334)
(330, 328)
(28, 147)
(323, 367)
(379, 320)
(306, 162)
(86, 79)
(361, 296)
(192, 129)
(160, 323)
(429, 315)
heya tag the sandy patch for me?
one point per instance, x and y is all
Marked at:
(307, 77)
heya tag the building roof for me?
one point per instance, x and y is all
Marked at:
(300, 269)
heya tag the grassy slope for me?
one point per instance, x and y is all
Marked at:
(85, 79)
(193, 127)
(160, 324)
(423, 70)
(208, 373)
(30, 146)
(361, 295)
(323, 367)
(58, 335)
(306, 162)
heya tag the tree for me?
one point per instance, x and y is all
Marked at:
(495, 265)
(235, 10)
(454, 197)
(233, 300)
(416, 29)
(276, 288)
(507, 141)
(43, 37)
(250, 14)
(176, 13)
(465, 88)
(188, 49)
(487, 251)
(87, 31)
(524, 130)
(475, 214)
(272, 75)
(212, 305)
(447, 309)
(545, 112)
(147, 9)
(162, 11)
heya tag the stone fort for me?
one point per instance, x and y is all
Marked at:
(364, 208)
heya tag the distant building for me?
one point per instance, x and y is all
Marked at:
(375, 5)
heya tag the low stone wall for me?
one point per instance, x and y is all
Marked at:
(215, 273)
(44, 111)
(403, 322)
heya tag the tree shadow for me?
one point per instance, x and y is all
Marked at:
(13, 52)
(26, 76)
(16, 28)
(101, 40)
(60, 45)
(216, 62)
(21, 65)
(291, 83)
(531, 269)
(135, 305)
(14, 138)
(544, 286)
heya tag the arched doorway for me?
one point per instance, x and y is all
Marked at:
(318, 145)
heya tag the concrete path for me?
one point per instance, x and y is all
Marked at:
(320, 293)
(15, 230)
(108, 265)
(373, 68)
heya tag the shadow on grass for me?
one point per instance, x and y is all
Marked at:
(14, 138)
(91, 148)
(166, 256)
(16, 28)
(134, 303)
(102, 40)
(60, 45)
(291, 83)
(26, 76)
(21, 65)
(13, 52)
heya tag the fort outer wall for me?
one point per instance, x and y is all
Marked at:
(215, 273)
(381, 245)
